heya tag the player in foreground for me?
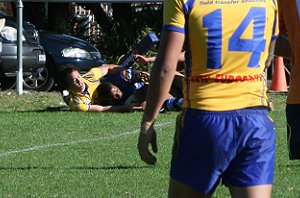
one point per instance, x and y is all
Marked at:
(290, 22)
(224, 132)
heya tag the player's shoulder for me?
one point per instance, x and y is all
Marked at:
(93, 74)
(79, 103)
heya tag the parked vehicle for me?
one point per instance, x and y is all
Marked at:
(33, 53)
(62, 49)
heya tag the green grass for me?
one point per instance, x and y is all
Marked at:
(48, 151)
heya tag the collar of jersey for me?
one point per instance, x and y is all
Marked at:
(85, 91)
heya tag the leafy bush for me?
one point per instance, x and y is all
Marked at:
(117, 42)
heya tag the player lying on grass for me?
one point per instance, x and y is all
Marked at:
(82, 89)
(130, 87)
(112, 88)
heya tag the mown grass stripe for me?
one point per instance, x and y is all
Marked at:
(43, 146)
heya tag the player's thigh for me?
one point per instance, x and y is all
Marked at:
(180, 190)
(258, 191)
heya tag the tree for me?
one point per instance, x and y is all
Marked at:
(115, 31)
(49, 16)
(116, 34)
(121, 31)
(39, 18)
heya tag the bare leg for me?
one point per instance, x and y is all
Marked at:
(180, 190)
(260, 191)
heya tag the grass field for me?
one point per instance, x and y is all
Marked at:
(48, 151)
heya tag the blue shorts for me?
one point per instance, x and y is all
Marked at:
(293, 130)
(235, 146)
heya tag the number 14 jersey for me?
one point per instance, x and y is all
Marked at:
(227, 45)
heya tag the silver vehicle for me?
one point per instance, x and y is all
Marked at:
(33, 53)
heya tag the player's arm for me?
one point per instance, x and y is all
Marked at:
(181, 58)
(273, 48)
(122, 108)
(109, 68)
(271, 53)
(162, 75)
(143, 60)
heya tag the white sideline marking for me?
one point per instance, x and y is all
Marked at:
(39, 147)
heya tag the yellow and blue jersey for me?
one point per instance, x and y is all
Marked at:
(82, 101)
(226, 44)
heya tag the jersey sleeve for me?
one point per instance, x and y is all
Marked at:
(78, 104)
(174, 19)
(93, 74)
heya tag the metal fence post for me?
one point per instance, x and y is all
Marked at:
(19, 83)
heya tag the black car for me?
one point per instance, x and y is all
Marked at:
(33, 53)
(62, 49)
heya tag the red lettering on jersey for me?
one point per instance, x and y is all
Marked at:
(227, 78)
(201, 78)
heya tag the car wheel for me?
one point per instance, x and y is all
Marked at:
(39, 80)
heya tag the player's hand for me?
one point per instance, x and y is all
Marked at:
(141, 59)
(144, 76)
(147, 138)
(137, 107)
(132, 107)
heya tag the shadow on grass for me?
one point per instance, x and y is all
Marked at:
(47, 109)
(120, 167)
(293, 165)
(58, 109)
(52, 109)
